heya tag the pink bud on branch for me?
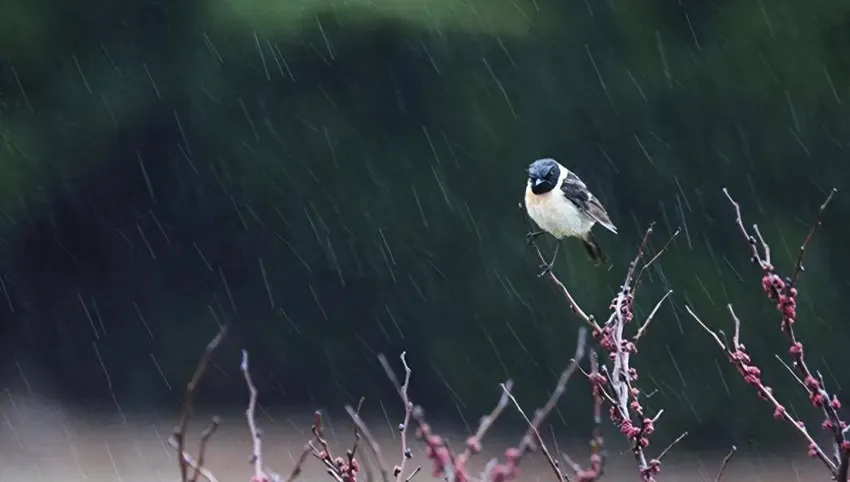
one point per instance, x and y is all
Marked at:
(616, 384)
(782, 291)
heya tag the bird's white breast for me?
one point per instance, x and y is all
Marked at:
(553, 213)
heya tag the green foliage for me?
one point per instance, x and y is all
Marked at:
(293, 18)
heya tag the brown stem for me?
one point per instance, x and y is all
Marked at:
(474, 443)
(725, 463)
(370, 441)
(353, 452)
(190, 462)
(785, 293)
(189, 398)
(798, 265)
(764, 391)
(202, 450)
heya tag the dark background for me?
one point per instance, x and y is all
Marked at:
(337, 180)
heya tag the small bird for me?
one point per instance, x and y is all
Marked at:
(560, 204)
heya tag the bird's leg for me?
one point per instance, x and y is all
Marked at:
(532, 236)
(546, 268)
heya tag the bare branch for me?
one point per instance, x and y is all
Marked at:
(574, 307)
(763, 262)
(657, 255)
(408, 408)
(351, 454)
(333, 465)
(649, 318)
(612, 339)
(783, 292)
(473, 443)
(798, 265)
(597, 454)
(299, 462)
(370, 441)
(256, 436)
(534, 430)
(398, 470)
(412, 474)
(672, 444)
(532, 438)
(752, 375)
(725, 463)
(205, 437)
(189, 399)
(190, 462)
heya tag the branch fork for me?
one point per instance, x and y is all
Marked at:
(615, 385)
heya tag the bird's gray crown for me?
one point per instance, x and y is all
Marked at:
(541, 167)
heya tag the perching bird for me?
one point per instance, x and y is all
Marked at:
(560, 204)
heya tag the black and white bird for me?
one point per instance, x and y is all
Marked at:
(560, 204)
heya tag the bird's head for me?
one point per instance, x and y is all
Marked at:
(543, 175)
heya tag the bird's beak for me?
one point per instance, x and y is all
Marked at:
(538, 182)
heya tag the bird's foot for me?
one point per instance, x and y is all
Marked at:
(532, 236)
(546, 267)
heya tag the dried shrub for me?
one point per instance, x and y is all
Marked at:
(613, 381)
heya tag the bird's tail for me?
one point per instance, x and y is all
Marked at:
(593, 250)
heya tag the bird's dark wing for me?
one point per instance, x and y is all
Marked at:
(576, 192)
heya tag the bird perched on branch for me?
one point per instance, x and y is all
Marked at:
(560, 204)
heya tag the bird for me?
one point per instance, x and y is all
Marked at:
(558, 201)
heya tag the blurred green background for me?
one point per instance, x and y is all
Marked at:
(341, 178)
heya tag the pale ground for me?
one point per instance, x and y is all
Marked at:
(43, 441)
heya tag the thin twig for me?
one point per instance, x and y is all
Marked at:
(261, 473)
(610, 336)
(560, 387)
(473, 445)
(783, 292)
(299, 463)
(190, 462)
(597, 443)
(533, 434)
(798, 265)
(189, 398)
(256, 435)
(672, 444)
(655, 258)
(588, 319)
(353, 452)
(630, 275)
(790, 370)
(318, 434)
(764, 263)
(642, 330)
(726, 460)
(370, 441)
(735, 357)
(324, 456)
(533, 429)
(202, 450)
(412, 474)
(408, 409)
